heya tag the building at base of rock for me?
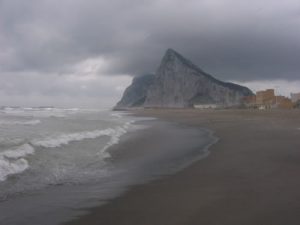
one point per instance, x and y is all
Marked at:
(268, 100)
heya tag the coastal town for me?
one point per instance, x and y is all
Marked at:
(262, 100)
(266, 99)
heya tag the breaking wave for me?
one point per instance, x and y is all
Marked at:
(18, 122)
(12, 161)
(64, 139)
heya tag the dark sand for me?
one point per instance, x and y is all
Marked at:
(251, 177)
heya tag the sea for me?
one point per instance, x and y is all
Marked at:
(57, 163)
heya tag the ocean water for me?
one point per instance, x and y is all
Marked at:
(55, 163)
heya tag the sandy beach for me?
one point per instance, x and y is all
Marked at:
(251, 176)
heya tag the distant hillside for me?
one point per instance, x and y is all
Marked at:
(178, 83)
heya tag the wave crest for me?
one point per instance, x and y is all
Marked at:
(64, 139)
(18, 122)
(12, 161)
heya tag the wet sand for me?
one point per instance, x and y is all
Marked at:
(251, 176)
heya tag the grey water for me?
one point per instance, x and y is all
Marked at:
(56, 163)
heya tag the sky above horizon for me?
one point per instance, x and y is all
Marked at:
(84, 53)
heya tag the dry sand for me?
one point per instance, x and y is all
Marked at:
(251, 176)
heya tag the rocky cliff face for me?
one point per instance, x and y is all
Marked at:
(178, 83)
(135, 94)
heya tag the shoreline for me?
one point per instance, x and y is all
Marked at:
(135, 159)
(250, 176)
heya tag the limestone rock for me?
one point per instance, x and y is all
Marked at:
(178, 83)
(135, 94)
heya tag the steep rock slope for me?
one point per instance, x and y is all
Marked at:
(135, 94)
(179, 83)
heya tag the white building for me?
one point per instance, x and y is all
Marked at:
(205, 106)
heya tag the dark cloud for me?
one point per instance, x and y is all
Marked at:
(231, 39)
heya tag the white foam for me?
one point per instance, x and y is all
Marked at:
(115, 138)
(36, 112)
(64, 139)
(31, 122)
(12, 161)
(117, 115)
(9, 168)
(18, 122)
(19, 152)
(8, 141)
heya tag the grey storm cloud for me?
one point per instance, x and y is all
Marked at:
(232, 39)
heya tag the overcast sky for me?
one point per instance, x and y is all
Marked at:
(85, 52)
